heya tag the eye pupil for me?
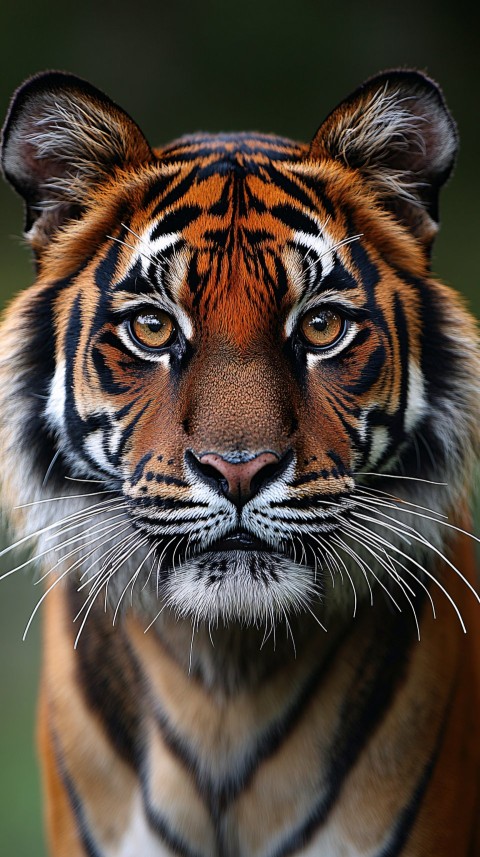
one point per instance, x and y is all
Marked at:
(151, 323)
(321, 328)
(152, 329)
(320, 323)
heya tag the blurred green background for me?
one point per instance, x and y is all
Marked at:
(214, 65)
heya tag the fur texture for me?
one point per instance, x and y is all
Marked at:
(247, 530)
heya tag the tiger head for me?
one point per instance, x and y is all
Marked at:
(239, 339)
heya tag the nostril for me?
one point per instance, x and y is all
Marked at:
(267, 472)
(211, 472)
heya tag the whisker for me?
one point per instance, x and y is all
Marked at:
(41, 600)
(357, 559)
(65, 557)
(401, 565)
(92, 596)
(80, 479)
(371, 492)
(421, 568)
(350, 579)
(64, 497)
(418, 537)
(50, 468)
(113, 550)
(131, 582)
(420, 515)
(353, 534)
(408, 478)
(98, 526)
(130, 247)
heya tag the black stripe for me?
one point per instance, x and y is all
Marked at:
(88, 842)
(73, 420)
(106, 375)
(366, 704)
(342, 468)
(307, 502)
(127, 434)
(167, 480)
(319, 189)
(170, 503)
(295, 219)
(370, 372)
(110, 678)
(396, 422)
(221, 207)
(160, 825)
(339, 279)
(352, 432)
(176, 193)
(219, 794)
(108, 337)
(158, 187)
(409, 814)
(292, 187)
(176, 220)
(35, 372)
(138, 472)
(401, 329)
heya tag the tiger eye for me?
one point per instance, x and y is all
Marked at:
(322, 327)
(152, 328)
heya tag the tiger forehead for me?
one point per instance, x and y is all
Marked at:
(234, 224)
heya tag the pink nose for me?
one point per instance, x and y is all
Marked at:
(239, 481)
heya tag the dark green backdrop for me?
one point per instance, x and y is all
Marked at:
(178, 67)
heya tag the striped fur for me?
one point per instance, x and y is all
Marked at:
(246, 537)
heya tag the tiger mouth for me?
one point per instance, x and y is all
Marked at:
(240, 541)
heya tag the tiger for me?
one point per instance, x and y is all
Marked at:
(240, 422)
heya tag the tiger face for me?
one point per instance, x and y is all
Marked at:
(239, 338)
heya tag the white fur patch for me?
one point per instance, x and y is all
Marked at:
(138, 838)
(149, 251)
(416, 400)
(380, 441)
(321, 245)
(55, 409)
(94, 445)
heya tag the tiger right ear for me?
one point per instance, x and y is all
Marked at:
(62, 137)
(396, 130)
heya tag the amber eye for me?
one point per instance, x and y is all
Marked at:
(322, 327)
(152, 328)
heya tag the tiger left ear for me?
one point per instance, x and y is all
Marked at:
(396, 130)
(62, 138)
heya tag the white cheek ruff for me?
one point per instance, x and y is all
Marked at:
(55, 409)
(95, 447)
(416, 399)
(380, 441)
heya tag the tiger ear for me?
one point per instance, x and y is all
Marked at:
(62, 137)
(397, 131)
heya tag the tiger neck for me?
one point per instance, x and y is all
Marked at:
(354, 703)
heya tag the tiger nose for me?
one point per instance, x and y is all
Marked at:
(239, 481)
